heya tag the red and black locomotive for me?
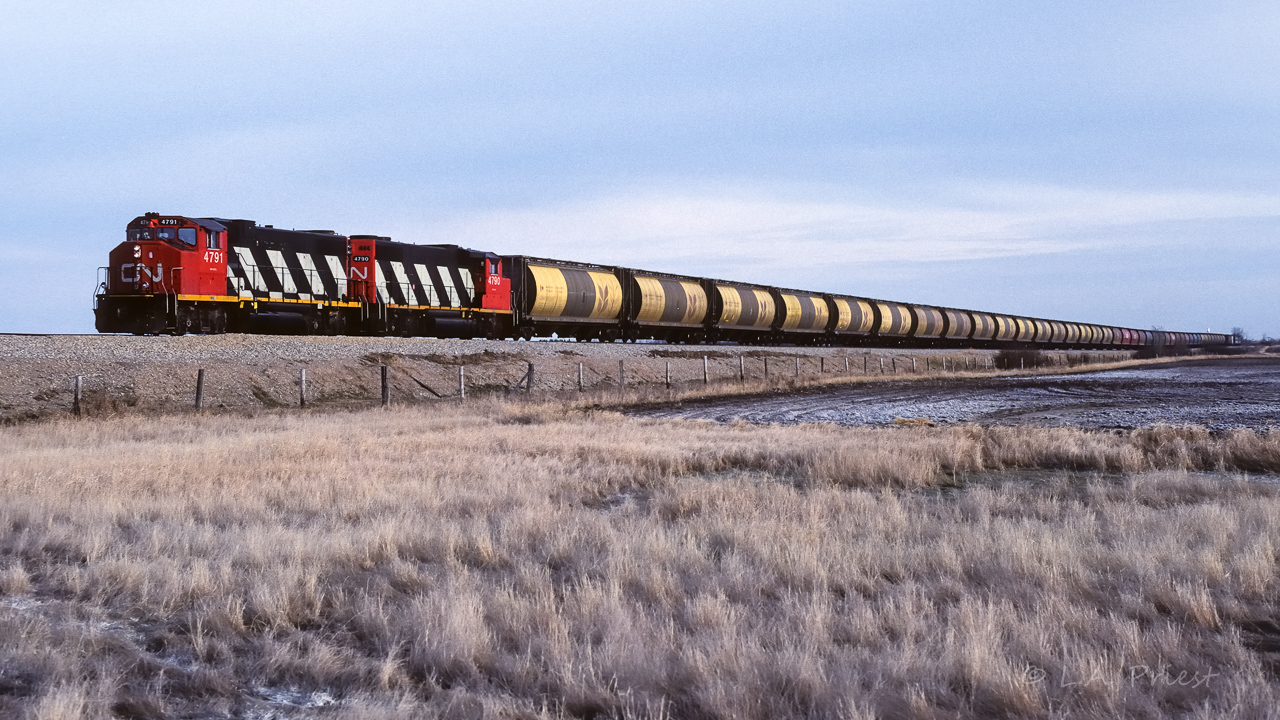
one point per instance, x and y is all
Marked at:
(211, 275)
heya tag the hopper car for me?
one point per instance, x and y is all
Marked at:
(175, 275)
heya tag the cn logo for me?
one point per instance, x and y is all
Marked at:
(129, 272)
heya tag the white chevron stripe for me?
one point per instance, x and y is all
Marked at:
(251, 269)
(339, 272)
(313, 276)
(433, 298)
(282, 271)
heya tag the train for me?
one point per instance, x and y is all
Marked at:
(175, 275)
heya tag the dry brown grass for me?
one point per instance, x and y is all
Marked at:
(531, 560)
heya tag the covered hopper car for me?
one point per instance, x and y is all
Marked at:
(176, 274)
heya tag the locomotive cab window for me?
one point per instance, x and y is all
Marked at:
(165, 233)
(187, 236)
(213, 240)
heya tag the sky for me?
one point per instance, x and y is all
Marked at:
(1107, 162)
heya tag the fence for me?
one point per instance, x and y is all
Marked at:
(686, 370)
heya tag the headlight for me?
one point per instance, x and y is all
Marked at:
(137, 251)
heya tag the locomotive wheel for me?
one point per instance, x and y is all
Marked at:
(525, 332)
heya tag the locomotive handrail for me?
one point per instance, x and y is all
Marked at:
(101, 290)
(254, 281)
(258, 285)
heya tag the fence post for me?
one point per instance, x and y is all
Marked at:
(706, 375)
(894, 360)
(462, 382)
(579, 377)
(668, 374)
(386, 386)
(882, 366)
(864, 364)
(200, 389)
(302, 388)
(1022, 363)
(622, 373)
(75, 398)
(846, 364)
(742, 368)
(528, 388)
(797, 366)
(822, 364)
(766, 368)
(913, 364)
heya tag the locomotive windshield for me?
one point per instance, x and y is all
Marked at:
(184, 236)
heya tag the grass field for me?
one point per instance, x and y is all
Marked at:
(513, 560)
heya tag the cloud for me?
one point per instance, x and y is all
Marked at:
(752, 228)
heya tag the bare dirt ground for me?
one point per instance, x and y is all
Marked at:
(1216, 394)
(247, 372)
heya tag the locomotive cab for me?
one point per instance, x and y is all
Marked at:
(169, 255)
(496, 287)
(163, 259)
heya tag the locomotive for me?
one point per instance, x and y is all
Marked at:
(177, 275)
